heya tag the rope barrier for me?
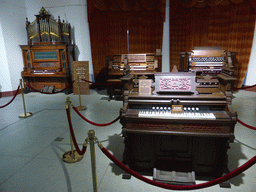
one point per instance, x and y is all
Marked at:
(80, 152)
(246, 87)
(29, 86)
(246, 125)
(96, 124)
(16, 93)
(113, 83)
(226, 177)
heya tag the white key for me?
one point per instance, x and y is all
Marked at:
(170, 115)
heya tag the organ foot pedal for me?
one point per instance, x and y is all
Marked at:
(48, 89)
(126, 175)
(225, 184)
(174, 177)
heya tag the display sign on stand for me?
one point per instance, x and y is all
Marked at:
(81, 69)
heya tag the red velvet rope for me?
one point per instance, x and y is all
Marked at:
(246, 125)
(96, 124)
(16, 93)
(246, 87)
(113, 83)
(73, 135)
(226, 177)
(49, 93)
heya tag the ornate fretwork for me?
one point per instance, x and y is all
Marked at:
(43, 12)
(45, 30)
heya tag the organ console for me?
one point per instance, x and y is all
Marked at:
(208, 61)
(183, 127)
(49, 52)
(143, 64)
(140, 64)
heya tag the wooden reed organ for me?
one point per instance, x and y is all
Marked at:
(178, 126)
(49, 52)
(143, 64)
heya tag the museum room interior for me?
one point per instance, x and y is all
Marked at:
(125, 95)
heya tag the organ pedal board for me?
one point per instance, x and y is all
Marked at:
(174, 177)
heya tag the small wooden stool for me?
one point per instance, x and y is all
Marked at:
(114, 87)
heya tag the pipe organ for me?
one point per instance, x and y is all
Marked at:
(49, 52)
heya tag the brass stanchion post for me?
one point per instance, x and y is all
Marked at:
(80, 107)
(25, 114)
(91, 135)
(71, 156)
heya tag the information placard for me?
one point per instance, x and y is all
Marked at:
(81, 69)
(145, 86)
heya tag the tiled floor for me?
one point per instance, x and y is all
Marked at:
(32, 161)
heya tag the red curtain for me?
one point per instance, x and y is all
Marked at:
(109, 22)
(228, 24)
(145, 32)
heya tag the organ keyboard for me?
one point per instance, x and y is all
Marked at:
(181, 122)
(170, 115)
(207, 61)
(183, 109)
